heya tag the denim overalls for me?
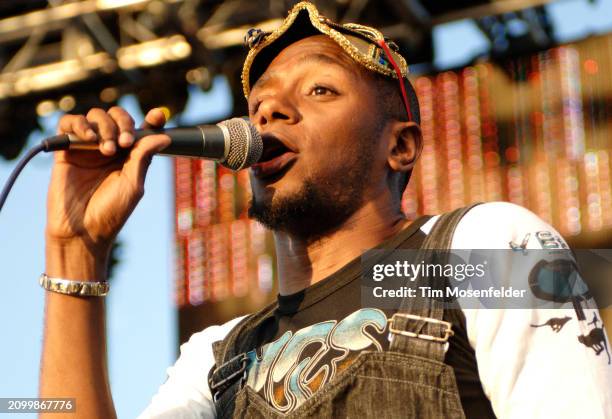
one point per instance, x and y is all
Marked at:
(409, 380)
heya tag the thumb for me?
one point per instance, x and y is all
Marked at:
(138, 161)
(140, 156)
(155, 118)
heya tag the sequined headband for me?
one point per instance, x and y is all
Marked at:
(364, 44)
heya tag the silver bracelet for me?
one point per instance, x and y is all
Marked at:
(77, 288)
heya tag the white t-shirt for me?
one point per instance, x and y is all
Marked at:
(526, 372)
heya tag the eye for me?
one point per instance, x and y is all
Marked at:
(319, 90)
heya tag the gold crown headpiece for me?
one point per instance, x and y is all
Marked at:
(364, 44)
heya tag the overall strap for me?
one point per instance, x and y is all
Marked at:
(417, 327)
(229, 373)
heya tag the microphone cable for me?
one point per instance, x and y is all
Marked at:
(57, 142)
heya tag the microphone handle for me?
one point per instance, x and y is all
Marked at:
(202, 141)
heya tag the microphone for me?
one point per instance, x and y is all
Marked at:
(234, 143)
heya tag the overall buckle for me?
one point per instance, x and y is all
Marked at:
(447, 332)
(218, 387)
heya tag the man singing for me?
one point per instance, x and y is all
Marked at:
(340, 126)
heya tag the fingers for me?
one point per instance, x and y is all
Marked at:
(125, 124)
(112, 129)
(155, 118)
(78, 125)
(106, 128)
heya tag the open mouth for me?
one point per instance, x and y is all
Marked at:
(276, 156)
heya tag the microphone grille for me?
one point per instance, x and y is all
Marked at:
(245, 144)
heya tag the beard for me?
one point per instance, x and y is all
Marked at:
(323, 202)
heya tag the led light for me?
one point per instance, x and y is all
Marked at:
(49, 76)
(67, 103)
(150, 53)
(45, 107)
(115, 4)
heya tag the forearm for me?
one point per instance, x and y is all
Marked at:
(74, 361)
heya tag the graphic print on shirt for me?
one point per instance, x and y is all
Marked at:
(549, 240)
(596, 339)
(522, 245)
(555, 323)
(287, 371)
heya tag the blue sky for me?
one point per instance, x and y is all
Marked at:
(142, 320)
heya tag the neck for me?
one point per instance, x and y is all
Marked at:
(302, 263)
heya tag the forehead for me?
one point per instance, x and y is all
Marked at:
(318, 49)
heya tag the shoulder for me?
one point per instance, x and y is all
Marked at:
(211, 334)
(186, 394)
(493, 225)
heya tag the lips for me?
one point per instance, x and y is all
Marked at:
(276, 156)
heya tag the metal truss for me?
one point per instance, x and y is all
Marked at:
(97, 50)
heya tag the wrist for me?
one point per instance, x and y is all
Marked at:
(75, 259)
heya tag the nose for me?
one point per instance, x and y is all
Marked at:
(274, 109)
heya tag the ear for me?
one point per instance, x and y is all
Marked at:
(405, 146)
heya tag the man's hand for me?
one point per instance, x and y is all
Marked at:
(91, 193)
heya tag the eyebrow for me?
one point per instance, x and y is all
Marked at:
(323, 58)
(310, 59)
